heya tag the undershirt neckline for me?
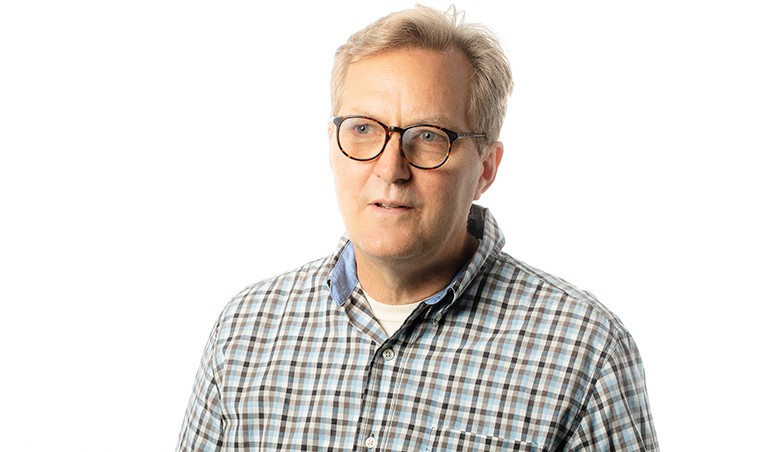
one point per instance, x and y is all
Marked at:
(390, 316)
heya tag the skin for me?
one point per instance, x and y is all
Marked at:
(408, 226)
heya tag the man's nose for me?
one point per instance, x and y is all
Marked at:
(391, 165)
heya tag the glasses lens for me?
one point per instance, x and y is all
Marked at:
(426, 147)
(361, 138)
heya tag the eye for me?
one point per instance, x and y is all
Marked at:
(360, 126)
(427, 136)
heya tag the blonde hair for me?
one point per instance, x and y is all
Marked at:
(427, 28)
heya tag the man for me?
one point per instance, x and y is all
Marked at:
(418, 333)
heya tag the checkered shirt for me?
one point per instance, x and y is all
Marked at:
(506, 357)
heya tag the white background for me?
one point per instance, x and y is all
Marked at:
(158, 156)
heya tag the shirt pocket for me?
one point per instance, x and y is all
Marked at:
(459, 440)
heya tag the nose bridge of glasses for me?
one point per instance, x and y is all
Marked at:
(400, 131)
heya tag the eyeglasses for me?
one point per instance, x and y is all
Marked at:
(423, 146)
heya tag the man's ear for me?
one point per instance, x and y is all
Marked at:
(491, 162)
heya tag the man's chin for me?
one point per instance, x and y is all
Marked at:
(387, 250)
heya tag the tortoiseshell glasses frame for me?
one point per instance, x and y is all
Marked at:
(423, 146)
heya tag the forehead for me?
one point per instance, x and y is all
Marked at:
(411, 84)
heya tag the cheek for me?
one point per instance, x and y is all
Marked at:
(348, 182)
(340, 182)
(462, 184)
(451, 196)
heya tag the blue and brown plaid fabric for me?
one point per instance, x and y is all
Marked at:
(505, 358)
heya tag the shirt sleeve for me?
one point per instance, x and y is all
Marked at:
(202, 429)
(617, 415)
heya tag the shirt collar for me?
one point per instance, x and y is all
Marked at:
(344, 275)
(480, 224)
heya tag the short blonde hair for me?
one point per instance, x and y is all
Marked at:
(427, 28)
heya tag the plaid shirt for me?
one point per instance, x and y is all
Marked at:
(506, 357)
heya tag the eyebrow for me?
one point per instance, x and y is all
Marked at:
(429, 120)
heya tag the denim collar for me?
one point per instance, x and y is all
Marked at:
(480, 224)
(344, 278)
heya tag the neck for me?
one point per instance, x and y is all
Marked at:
(401, 282)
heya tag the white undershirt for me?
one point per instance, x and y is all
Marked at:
(390, 316)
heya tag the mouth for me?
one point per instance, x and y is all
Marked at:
(390, 205)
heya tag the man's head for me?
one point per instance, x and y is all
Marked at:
(422, 27)
(410, 69)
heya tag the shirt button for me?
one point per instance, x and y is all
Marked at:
(388, 354)
(370, 442)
